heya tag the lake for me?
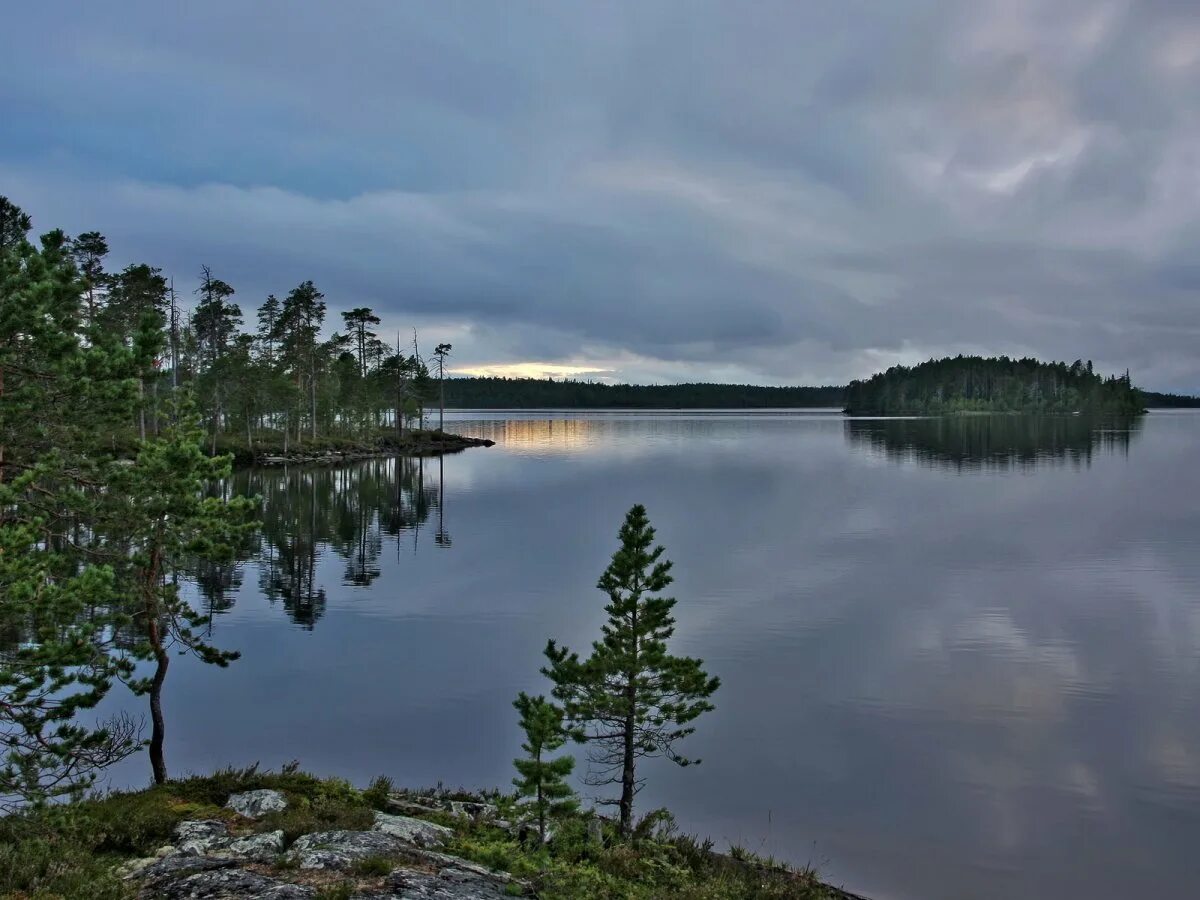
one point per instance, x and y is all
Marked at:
(960, 657)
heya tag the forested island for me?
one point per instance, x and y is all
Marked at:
(998, 384)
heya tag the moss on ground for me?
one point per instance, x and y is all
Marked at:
(73, 851)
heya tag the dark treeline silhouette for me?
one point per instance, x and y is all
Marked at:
(989, 443)
(1156, 400)
(543, 393)
(1000, 384)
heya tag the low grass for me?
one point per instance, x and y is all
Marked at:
(656, 862)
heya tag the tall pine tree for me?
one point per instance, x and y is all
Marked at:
(631, 699)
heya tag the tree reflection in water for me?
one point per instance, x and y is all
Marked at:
(354, 511)
(967, 443)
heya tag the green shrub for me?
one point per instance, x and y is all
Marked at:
(376, 795)
(373, 866)
(42, 867)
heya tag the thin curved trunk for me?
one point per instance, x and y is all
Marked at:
(162, 660)
(158, 731)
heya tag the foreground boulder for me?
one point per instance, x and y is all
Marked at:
(256, 804)
(211, 837)
(413, 831)
(226, 883)
(210, 863)
(339, 850)
(450, 883)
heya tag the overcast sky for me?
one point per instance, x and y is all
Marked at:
(795, 192)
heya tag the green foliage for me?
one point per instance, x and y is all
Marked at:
(541, 779)
(376, 794)
(374, 866)
(630, 698)
(49, 868)
(977, 384)
(341, 890)
(102, 507)
(656, 863)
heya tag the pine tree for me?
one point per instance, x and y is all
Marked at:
(358, 327)
(541, 779)
(89, 250)
(91, 540)
(215, 323)
(59, 401)
(299, 326)
(631, 699)
(165, 522)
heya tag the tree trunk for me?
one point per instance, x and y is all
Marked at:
(628, 776)
(162, 660)
(312, 395)
(158, 732)
(141, 408)
(541, 806)
(441, 400)
(214, 432)
(627, 772)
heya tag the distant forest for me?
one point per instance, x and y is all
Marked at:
(1000, 384)
(1155, 400)
(535, 393)
(539, 393)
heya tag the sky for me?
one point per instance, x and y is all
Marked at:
(774, 193)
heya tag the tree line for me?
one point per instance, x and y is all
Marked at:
(999, 384)
(544, 393)
(263, 376)
(520, 393)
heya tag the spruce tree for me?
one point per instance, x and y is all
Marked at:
(631, 699)
(541, 779)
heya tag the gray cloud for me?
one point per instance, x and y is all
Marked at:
(779, 192)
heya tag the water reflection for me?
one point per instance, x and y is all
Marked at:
(355, 512)
(958, 686)
(993, 442)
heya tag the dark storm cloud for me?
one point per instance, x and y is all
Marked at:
(769, 192)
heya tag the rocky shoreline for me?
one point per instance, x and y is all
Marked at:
(398, 858)
(292, 835)
(228, 836)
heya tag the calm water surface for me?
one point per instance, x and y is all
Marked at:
(961, 658)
